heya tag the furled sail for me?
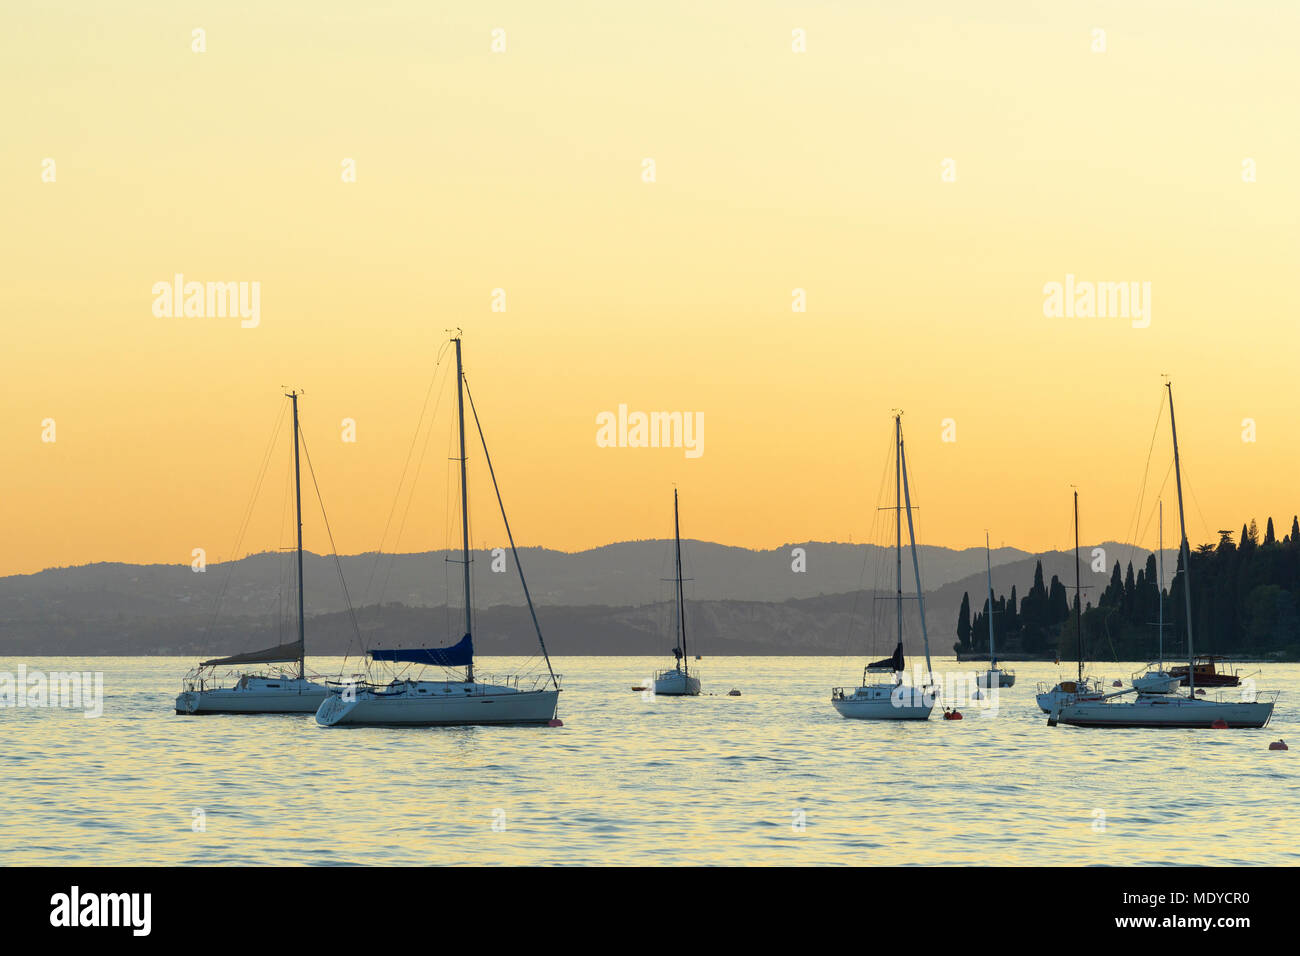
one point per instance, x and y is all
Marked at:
(460, 654)
(271, 655)
(894, 663)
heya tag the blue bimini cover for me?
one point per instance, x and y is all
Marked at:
(460, 654)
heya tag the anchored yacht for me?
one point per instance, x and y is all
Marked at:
(679, 681)
(893, 699)
(995, 676)
(413, 702)
(1168, 710)
(281, 692)
(1081, 688)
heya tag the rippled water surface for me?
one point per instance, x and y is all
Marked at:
(714, 779)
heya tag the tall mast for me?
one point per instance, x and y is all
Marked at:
(297, 488)
(464, 495)
(681, 600)
(1160, 587)
(993, 657)
(1078, 601)
(916, 564)
(898, 517)
(1184, 547)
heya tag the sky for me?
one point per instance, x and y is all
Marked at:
(385, 172)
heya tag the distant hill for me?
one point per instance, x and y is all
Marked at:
(604, 601)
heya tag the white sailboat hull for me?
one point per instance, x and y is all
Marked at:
(255, 695)
(438, 704)
(1053, 699)
(1169, 712)
(884, 702)
(995, 678)
(676, 684)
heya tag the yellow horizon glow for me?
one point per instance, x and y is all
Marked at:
(522, 171)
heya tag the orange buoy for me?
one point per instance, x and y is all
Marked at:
(952, 715)
(1278, 745)
(555, 722)
(1220, 724)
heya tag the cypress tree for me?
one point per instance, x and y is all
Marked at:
(1113, 596)
(1058, 604)
(963, 621)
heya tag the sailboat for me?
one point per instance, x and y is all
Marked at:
(1081, 688)
(1168, 710)
(678, 682)
(892, 699)
(423, 703)
(994, 676)
(284, 692)
(1155, 679)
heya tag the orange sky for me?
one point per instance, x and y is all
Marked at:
(522, 170)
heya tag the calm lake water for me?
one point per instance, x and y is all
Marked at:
(710, 780)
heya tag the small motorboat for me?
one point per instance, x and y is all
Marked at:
(1206, 673)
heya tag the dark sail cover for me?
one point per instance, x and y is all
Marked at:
(894, 663)
(460, 654)
(272, 655)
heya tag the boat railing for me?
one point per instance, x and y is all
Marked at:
(482, 684)
(1247, 695)
(837, 693)
(194, 681)
(521, 682)
(198, 677)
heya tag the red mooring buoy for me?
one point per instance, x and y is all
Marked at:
(1278, 745)
(1220, 724)
(555, 722)
(952, 715)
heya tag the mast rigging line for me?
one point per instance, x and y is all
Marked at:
(397, 496)
(1152, 515)
(334, 551)
(1132, 542)
(881, 554)
(1146, 470)
(519, 567)
(247, 518)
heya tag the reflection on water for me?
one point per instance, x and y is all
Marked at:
(772, 777)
